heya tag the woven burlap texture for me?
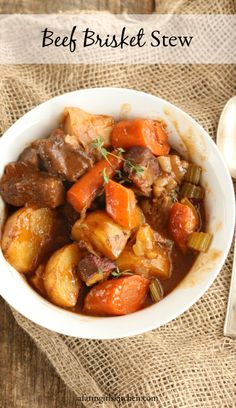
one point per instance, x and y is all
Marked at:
(188, 362)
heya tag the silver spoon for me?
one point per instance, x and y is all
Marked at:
(226, 141)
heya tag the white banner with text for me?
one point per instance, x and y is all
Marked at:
(104, 38)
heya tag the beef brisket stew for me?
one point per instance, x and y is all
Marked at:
(110, 217)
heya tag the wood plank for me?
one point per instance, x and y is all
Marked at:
(45, 6)
(26, 377)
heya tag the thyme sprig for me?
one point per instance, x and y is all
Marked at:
(98, 144)
(105, 176)
(117, 273)
(100, 271)
(138, 170)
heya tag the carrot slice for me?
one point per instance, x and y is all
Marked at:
(117, 296)
(141, 132)
(161, 147)
(83, 192)
(183, 221)
(121, 205)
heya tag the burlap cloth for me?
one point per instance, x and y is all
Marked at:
(188, 362)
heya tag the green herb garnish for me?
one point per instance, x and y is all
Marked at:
(105, 176)
(98, 144)
(135, 168)
(119, 151)
(117, 273)
(100, 271)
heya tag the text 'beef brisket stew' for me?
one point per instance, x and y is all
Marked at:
(110, 217)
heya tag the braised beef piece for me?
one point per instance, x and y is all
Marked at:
(23, 184)
(58, 132)
(30, 156)
(146, 165)
(69, 214)
(61, 232)
(156, 212)
(93, 269)
(63, 157)
(36, 143)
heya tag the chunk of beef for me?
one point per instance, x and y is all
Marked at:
(58, 132)
(36, 143)
(23, 184)
(146, 165)
(156, 212)
(69, 214)
(30, 156)
(93, 269)
(63, 157)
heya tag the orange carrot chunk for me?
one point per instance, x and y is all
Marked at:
(121, 204)
(183, 221)
(141, 132)
(83, 192)
(117, 296)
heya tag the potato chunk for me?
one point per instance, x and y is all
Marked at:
(60, 278)
(28, 235)
(101, 234)
(37, 280)
(86, 126)
(141, 265)
(146, 243)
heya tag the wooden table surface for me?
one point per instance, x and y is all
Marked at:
(27, 379)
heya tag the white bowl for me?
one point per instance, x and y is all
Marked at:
(191, 140)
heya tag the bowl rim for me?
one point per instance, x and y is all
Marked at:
(89, 327)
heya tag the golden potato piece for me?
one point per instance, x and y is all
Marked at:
(37, 280)
(140, 215)
(148, 267)
(146, 244)
(86, 126)
(60, 278)
(27, 236)
(101, 234)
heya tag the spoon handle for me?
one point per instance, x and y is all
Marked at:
(230, 319)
